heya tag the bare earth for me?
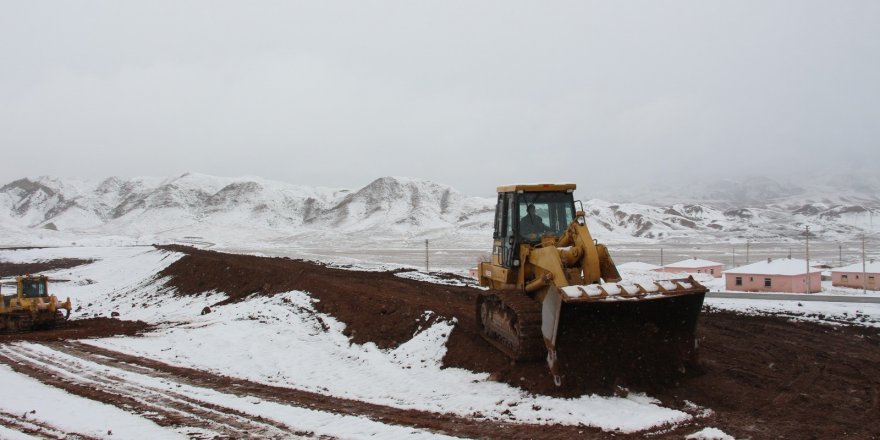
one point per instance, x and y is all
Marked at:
(762, 377)
(10, 269)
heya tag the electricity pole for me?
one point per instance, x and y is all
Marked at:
(864, 269)
(427, 266)
(809, 287)
(747, 252)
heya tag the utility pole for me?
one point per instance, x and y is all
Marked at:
(839, 254)
(747, 252)
(809, 287)
(733, 252)
(864, 269)
(661, 256)
(427, 266)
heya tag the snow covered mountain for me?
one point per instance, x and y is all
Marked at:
(825, 190)
(238, 209)
(389, 209)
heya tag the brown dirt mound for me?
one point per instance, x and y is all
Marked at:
(376, 307)
(80, 329)
(763, 376)
(10, 269)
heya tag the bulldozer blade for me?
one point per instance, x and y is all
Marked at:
(617, 334)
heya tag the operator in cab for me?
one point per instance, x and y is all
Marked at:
(532, 225)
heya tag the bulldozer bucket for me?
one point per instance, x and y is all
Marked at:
(613, 333)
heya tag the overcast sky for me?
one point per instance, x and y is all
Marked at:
(471, 94)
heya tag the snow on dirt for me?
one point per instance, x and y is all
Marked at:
(295, 419)
(285, 340)
(41, 404)
(121, 280)
(282, 340)
(288, 343)
(823, 312)
(709, 434)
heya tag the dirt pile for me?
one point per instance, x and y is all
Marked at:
(12, 269)
(80, 329)
(763, 377)
(376, 307)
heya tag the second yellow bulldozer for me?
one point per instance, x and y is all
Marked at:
(555, 293)
(31, 307)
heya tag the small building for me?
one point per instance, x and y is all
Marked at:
(694, 265)
(474, 273)
(638, 265)
(857, 277)
(780, 275)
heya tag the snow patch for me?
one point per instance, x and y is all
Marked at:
(710, 434)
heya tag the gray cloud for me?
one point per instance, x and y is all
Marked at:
(464, 93)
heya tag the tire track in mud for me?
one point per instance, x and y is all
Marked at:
(178, 409)
(36, 428)
(440, 423)
(162, 405)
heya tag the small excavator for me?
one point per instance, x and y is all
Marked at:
(555, 293)
(31, 307)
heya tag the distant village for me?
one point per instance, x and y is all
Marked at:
(789, 275)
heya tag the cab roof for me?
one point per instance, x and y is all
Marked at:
(537, 187)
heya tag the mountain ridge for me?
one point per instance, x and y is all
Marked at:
(386, 208)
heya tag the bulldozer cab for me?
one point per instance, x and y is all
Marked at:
(33, 286)
(525, 213)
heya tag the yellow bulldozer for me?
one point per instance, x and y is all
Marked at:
(555, 293)
(31, 307)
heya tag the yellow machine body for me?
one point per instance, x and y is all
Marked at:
(556, 292)
(32, 306)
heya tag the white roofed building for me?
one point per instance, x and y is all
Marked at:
(857, 276)
(781, 275)
(638, 265)
(694, 265)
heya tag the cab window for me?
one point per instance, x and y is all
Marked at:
(542, 213)
(33, 289)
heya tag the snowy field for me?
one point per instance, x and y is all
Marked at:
(282, 341)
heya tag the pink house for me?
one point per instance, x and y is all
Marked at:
(854, 276)
(694, 265)
(782, 275)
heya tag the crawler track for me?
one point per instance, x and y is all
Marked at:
(511, 321)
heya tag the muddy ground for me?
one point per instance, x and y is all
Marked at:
(12, 269)
(78, 329)
(762, 377)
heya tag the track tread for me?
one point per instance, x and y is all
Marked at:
(530, 341)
